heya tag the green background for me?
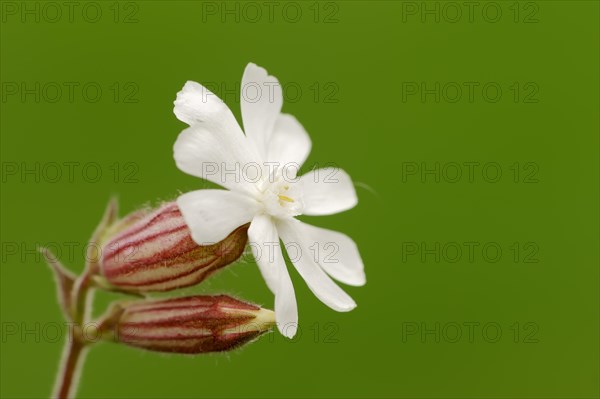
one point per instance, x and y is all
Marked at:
(361, 54)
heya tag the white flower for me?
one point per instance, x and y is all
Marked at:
(259, 170)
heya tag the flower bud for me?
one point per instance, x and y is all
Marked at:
(195, 324)
(155, 252)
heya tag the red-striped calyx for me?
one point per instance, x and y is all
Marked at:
(191, 325)
(155, 252)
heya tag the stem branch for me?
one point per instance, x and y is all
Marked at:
(75, 296)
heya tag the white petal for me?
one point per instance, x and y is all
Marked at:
(286, 309)
(264, 242)
(327, 191)
(336, 253)
(298, 247)
(261, 101)
(196, 105)
(212, 215)
(221, 157)
(289, 144)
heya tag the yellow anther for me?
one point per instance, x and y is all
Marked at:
(284, 198)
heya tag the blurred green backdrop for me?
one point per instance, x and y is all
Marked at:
(471, 131)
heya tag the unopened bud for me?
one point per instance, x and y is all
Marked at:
(155, 252)
(191, 325)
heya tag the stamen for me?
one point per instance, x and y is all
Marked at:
(284, 198)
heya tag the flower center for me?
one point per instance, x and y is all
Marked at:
(279, 197)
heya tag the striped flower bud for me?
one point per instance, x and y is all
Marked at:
(191, 325)
(155, 252)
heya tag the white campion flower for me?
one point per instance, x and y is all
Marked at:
(258, 169)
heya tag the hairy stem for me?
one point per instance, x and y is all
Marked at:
(80, 298)
(69, 368)
(75, 297)
(68, 376)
